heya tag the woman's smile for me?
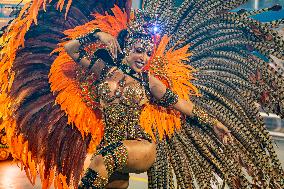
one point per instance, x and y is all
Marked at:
(139, 64)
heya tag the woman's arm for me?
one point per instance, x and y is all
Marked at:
(158, 89)
(73, 47)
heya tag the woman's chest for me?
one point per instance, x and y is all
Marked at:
(120, 88)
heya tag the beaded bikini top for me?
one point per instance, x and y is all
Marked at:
(103, 92)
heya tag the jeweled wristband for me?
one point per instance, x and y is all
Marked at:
(92, 179)
(88, 38)
(203, 117)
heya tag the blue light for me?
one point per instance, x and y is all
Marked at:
(156, 29)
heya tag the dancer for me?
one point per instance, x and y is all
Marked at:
(171, 91)
(121, 92)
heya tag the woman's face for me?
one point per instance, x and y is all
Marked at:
(138, 56)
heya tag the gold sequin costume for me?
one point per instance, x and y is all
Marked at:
(122, 109)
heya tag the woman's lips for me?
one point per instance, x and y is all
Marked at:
(139, 64)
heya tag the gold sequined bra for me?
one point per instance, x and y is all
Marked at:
(97, 93)
(131, 95)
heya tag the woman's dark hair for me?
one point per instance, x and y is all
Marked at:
(121, 38)
(106, 57)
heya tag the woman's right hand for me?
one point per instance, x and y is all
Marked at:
(223, 133)
(111, 43)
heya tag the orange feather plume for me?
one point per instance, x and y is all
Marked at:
(106, 23)
(169, 68)
(63, 81)
(10, 42)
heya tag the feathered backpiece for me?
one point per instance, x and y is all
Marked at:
(226, 55)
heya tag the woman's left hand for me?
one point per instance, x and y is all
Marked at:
(111, 43)
(223, 133)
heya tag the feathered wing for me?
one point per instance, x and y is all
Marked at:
(73, 88)
(235, 74)
(39, 133)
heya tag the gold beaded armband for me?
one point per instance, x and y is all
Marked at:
(169, 99)
(203, 117)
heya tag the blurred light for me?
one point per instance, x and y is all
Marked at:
(136, 4)
(256, 4)
(156, 29)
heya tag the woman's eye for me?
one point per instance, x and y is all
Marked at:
(149, 53)
(139, 50)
